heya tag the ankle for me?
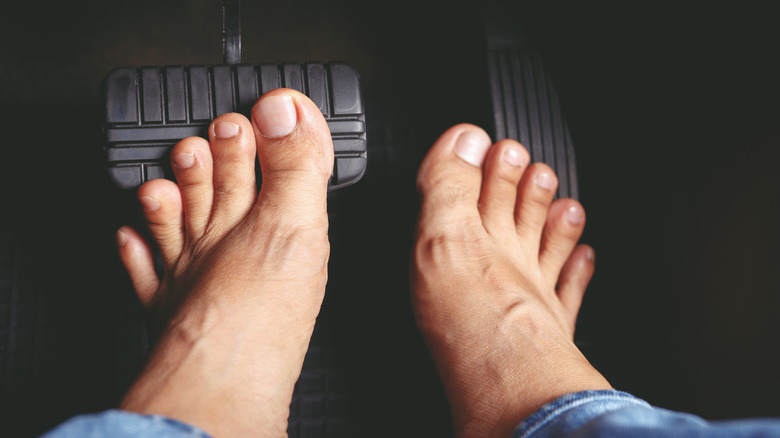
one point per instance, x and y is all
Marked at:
(550, 367)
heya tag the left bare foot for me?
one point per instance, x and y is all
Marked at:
(244, 274)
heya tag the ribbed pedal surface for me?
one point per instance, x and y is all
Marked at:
(322, 405)
(149, 109)
(526, 109)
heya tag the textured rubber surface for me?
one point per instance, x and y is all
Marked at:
(149, 109)
(526, 109)
(322, 405)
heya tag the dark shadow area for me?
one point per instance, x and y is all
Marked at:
(672, 108)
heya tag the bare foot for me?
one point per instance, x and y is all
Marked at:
(244, 274)
(497, 281)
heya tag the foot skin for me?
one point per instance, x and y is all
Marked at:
(245, 273)
(497, 281)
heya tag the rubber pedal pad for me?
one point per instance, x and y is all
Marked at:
(149, 109)
(526, 108)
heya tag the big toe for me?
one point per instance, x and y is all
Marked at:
(295, 152)
(450, 177)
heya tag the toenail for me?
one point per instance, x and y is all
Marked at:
(121, 239)
(513, 156)
(544, 180)
(575, 215)
(471, 147)
(590, 255)
(275, 116)
(150, 204)
(184, 160)
(225, 130)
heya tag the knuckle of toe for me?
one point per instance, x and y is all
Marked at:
(192, 182)
(226, 190)
(433, 178)
(235, 158)
(304, 155)
(448, 194)
(303, 249)
(283, 178)
(508, 176)
(165, 232)
(540, 200)
(451, 240)
(529, 222)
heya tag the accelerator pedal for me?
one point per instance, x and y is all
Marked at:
(525, 104)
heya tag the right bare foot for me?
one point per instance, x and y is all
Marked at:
(497, 282)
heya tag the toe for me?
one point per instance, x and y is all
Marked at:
(535, 193)
(192, 164)
(574, 279)
(450, 176)
(565, 222)
(504, 167)
(139, 263)
(295, 152)
(233, 150)
(162, 207)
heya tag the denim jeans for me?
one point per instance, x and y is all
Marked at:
(579, 415)
(613, 413)
(123, 424)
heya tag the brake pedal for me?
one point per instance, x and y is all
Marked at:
(149, 109)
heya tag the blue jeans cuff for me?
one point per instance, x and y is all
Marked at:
(573, 410)
(120, 424)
